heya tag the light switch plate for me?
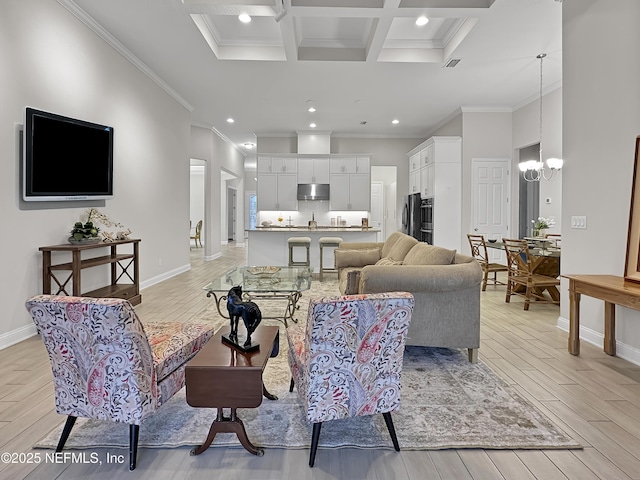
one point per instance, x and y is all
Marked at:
(579, 221)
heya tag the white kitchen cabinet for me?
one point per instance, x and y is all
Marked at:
(414, 181)
(277, 191)
(363, 165)
(440, 177)
(360, 191)
(414, 162)
(277, 165)
(343, 165)
(264, 165)
(313, 170)
(350, 191)
(427, 177)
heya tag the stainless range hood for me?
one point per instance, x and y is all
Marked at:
(313, 191)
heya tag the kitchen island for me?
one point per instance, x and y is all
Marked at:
(268, 245)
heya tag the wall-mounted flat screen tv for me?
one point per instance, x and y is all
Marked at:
(66, 158)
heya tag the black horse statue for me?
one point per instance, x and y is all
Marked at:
(249, 311)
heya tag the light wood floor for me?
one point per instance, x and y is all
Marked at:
(594, 397)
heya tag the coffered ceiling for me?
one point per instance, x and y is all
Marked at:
(360, 63)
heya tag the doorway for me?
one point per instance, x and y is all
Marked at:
(384, 203)
(529, 194)
(196, 197)
(231, 213)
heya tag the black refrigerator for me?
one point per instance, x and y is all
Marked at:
(411, 216)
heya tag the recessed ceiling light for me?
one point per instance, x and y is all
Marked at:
(312, 125)
(230, 120)
(311, 109)
(395, 121)
(422, 21)
(244, 18)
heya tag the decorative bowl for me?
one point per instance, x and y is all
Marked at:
(266, 223)
(263, 271)
(492, 240)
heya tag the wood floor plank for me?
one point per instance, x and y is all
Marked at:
(540, 465)
(450, 465)
(570, 466)
(509, 465)
(479, 465)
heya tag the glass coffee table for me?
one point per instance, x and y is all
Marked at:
(263, 283)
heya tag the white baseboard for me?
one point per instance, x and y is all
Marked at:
(164, 276)
(213, 257)
(629, 353)
(17, 335)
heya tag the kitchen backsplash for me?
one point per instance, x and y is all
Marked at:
(305, 210)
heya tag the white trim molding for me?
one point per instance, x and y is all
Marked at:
(99, 30)
(17, 335)
(165, 276)
(627, 352)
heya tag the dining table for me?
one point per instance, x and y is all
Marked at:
(545, 258)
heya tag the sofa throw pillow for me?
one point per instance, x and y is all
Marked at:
(425, 254)
(388, 261)
(400, 246)
(355, 258)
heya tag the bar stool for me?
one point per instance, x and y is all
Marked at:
(299, 242)
(327, 242)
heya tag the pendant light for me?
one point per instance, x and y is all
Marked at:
(536, 170)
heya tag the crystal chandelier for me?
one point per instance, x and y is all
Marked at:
(536, 170)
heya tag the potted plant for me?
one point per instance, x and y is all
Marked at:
(84, 233)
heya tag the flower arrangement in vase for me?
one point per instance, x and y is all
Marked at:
(541, 225)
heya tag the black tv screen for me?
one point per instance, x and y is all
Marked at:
(66, 158)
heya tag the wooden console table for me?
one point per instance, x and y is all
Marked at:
(614, 291)
(220, 376)
(129, 291)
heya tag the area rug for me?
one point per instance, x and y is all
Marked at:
(446, 402)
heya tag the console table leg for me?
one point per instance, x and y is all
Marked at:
(610, 328)
(574, 322)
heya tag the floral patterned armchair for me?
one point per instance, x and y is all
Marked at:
(347, 360)
(107, 365)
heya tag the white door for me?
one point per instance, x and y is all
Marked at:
(490, 201)
(377, 208)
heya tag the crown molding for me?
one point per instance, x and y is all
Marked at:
(95, 27)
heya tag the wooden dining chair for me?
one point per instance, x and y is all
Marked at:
(197, 236)
(556, 237)
(479, 251)
(522, 279)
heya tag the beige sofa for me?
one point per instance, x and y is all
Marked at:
(445, 285)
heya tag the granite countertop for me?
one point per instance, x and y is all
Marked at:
(319, 228)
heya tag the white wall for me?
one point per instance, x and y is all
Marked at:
(601, 119)
(51, 61)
